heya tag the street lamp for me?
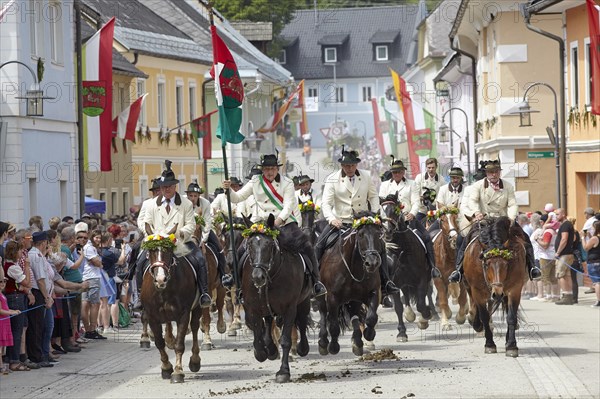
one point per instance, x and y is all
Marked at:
(35, 98)
(525, 121)
(443, 130)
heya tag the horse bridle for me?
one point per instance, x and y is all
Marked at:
(159, 263)
(363, 255)
(265, 267)
(391, 220)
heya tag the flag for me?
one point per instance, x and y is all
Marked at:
(594, 23)
(418, 131)
(5, 8)
(97, 98)
(201, 130)
(301, 105)
(229, 91)
(381, 130)
(125, 123)
(277, 117)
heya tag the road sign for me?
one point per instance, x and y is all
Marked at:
(325, 131)
(540, 154)
(217, 170)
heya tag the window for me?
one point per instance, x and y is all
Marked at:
(381, 53)
(366, 93)
(179, 104)
(339, 95)
(330, 54)
(313, 92)
(282, 59)
(588, 72)
(113, 203)
(125, 203)
(56, 38)
(160, 96)
(64, 197)
(574, 75)
(36, 27)
(141, 90)
(192, 94)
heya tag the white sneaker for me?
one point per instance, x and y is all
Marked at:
(536, 298)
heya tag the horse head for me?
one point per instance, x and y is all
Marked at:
(449, 223)
(238, 225)
(428, 198)
(308, 212)
(496, 258)
(393, 210)
(262, 247)
(369, 239)
(160, 254)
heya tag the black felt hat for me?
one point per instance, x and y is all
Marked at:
(305, 179)
(219, 190)
(349, 157)
(194, 188)
(269, 160)
(456, 172)
(397, 165)
(155, 185)
(168, 176)
(236, 181)
(493, 165)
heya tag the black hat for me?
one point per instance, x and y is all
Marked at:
(397, 165)
(168, 176)
(155, 185)
(305, 179)
(269, 160)
(219, 190)
(235, 180)
(40, 236)
(256, 170)
(456, 172)
(194, 188)
(349, 157)
(492, 165)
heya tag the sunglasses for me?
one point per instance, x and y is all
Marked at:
(82, 238)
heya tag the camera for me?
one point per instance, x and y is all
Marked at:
(118, 243)
(131, 237)
(78, 247)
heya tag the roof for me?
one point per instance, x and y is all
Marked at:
(354, 30)
(140, 29)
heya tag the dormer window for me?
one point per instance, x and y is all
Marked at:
(330, 54)
(282, 59)
(381, 53)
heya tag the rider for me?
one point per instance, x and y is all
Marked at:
(408, 195)
(274, 194)
(348, 191)
(171, 210)
(428, 180)
(220, 202)
(202, 208)
(494, 197)
(305, 192)
(451, 194)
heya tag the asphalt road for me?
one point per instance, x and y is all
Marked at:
(559, 357)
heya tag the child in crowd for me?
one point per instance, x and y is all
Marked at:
(6, 338)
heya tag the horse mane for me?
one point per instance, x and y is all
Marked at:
(499, 232)
(390, 198)
(364, 214)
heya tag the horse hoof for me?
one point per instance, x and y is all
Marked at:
(261, 356)
(166, 374)
(221, 327)
(410, 316)
(194, 367)
(177, 378)
(145, 344)
(446, 327)
(512, 352)
(401, 338)
(323, 350)
(273, 356)
(460, 320)
(231, 332)
(236, 325)
(370, 345)
(282, 378)
(490, 349)
(423, 325)
(206, 347)
(369, 334)
(334, 348)
(357, 350)
(302, 349)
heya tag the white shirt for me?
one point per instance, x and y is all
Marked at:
(90, 271)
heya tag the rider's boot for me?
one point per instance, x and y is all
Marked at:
(320, 245)
(139, 278)
(456, 275)
(226, 278)
(435, 272)
(534, 272)
(199, 264)
(387, 286)
(318, 288)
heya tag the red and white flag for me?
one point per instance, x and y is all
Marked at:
(5, 8)
(594, 22)
(275, 119)
(125, 124)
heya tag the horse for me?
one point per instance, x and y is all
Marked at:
(215, 288)
(495, 270)
(233, 307)
(169, 293)
(308, 212)
(274, 285)
(444, 244)
(408, 265)
(349, 271)
(428, 201)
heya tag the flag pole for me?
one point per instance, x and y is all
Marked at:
(227, 192)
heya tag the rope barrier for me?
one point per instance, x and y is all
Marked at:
(30, 309)
(578, 271)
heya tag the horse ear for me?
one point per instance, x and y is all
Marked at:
(271, 221)
(469, 218)
(506, 243)
(247, 221)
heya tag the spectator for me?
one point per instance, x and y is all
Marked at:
(54, 222)
(68, 219)
(24, 238)
(111, 257)
(17, 290)
(592, 246)
(90, 300)
(3, 234)
(37, 223)
(525, 224)
(577, 266)
(564, 257)
(6, 338)
(72, 245)
(589, 222)
(544, 238)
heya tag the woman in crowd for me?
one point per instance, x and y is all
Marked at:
(592, 246)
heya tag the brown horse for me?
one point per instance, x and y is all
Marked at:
(169, 293)
(444, 244)
(494, 269)
(234, 308)
(349, 271)
(275, 285)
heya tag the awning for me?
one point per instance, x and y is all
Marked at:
(93, 205)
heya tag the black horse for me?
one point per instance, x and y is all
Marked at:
(308, 214)
(408, 265)
(274, 285)
(170, 293)
(349, 271)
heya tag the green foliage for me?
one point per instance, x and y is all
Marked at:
(278, 12)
